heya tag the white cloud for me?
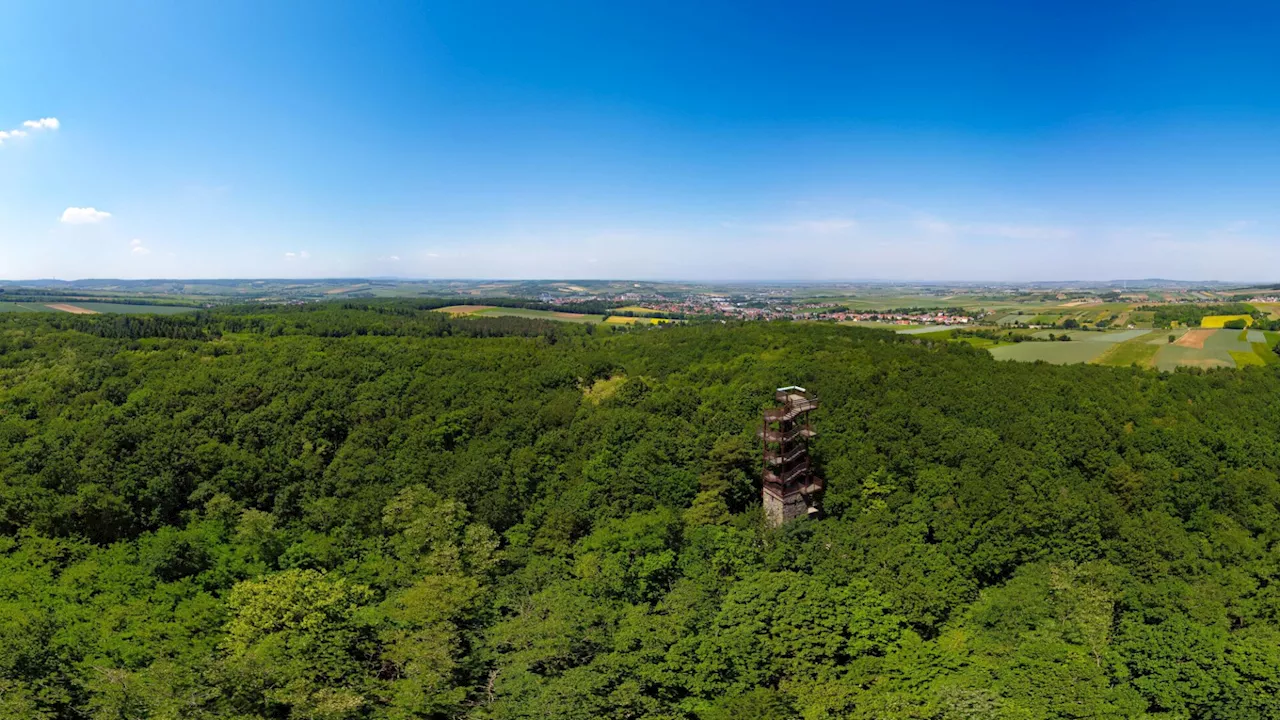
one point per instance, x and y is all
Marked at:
(394, 258)
(137, 248)
(433, 254)
(300, 255)
(41, 124)
(84, 215)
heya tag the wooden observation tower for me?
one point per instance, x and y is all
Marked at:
(791, 490)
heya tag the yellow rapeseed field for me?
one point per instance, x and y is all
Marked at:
(1217, 321)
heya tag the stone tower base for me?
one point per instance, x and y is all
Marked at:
(783, 509)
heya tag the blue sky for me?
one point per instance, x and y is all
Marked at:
(663, 140)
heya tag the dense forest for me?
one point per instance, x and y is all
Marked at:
(353, 511)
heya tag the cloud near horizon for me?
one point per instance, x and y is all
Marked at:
(83, 216)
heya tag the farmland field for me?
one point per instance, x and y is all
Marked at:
(1058, 353)
(637, 309)
(1094, 336)
(1195, 347)
(73, 309)
(1217, 321)
(1244, 359)
(1138, 350)
(1169, 357)
(1207, 348)
(95, 307)
(1266, 353)
(23, 307)
(626, 320)
(1194, 338)
(101, 307)
(541, 315)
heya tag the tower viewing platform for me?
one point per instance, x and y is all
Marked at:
(789, 487)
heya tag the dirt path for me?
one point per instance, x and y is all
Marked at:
(75, 309)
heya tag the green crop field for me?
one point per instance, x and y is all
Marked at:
(1138, 350)
(1170, 357)
(1244, 359)
(1266, 353)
